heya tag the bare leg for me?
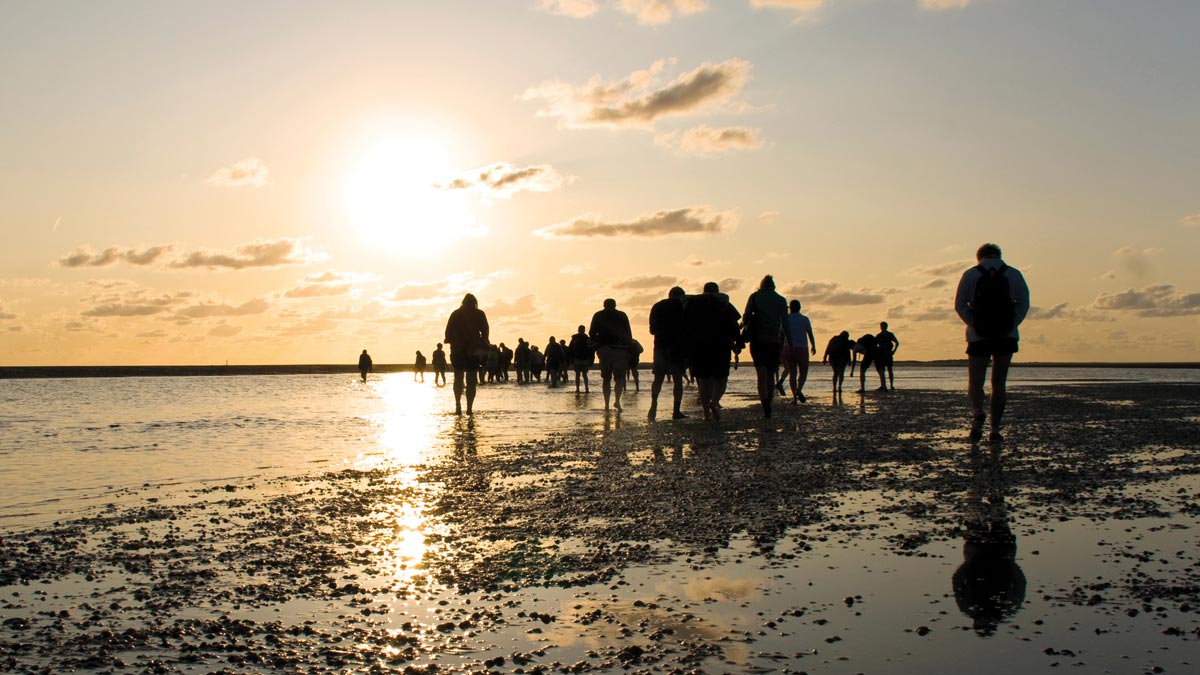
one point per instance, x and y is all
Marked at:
(976, 373)
(677, 392)
(718, 390)
(458, 391)
(607, 376)
(655, 389)
(1001, 363)
(472, 382)
(618, 387)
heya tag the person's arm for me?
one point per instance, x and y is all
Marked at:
(813, 341)
(895, 343)
(484, 329)
(962, 297)
(1020, 291)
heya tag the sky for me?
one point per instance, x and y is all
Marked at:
(293, 182)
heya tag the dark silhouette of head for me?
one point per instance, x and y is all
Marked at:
(676, 292)
(582, 329)
(712, 287)
(470, 301)
(364, 351)
(767, 283)
(882, 325)
(988, 251)
(845, 334)
(609, 303)
(794, 307)
(439, 345)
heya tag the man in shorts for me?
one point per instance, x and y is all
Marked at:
(467, 335)
(992, 300)
(797, 350)
(666, 325)
(613, 337)
(888, 344)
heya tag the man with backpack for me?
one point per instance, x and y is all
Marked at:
(992, 300)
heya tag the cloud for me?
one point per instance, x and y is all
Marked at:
(576, 269)
(707, 141)
(941, 269)
(803, 6)
(646, 281)
(577, 9)
(501, 180)
(656, 12)
(695, 220)
(1191, 221)
(225, 330)
(922, 312)
(1137, 261)
(209, 309)
(831, 293)
(417, 291)
(259, 253)
(523, 307)
(938, 5)
(84, 257)
(136, 304)
(247, 173)
(5, 316)
(935, 283)
(768, 217)
(1160, 300)
(635, 101)
(323, 284)
(1041, 313)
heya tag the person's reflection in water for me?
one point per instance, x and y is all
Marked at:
(474, 476)
(989, 586)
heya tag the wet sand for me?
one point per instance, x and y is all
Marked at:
(867, 536)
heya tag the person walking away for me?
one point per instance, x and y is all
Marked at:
(710, 329)
(467, 334)
(666, 325)
(766, 329)
(797, 350)
(419, 366)
(635, 363)
(553, 361)
(582, 356)
(521, 361)
(837, 354)
(364, 364)
(888, 344)
(439, 366)
(612, 337)
(992, 300)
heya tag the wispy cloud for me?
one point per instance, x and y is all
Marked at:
(831, 293)
(210, 309)
(502, 180)
(84, 257)
(945, 269)
(247, 173)
(1159, 300)
(706, 141)
(938, 5)
(576, 269)
(321, 284)
(224, 330)
(524, 307)
(137, 303)
(914, 311)
(696, 220)
(638, 101)
(768, 217)
(646, 281)
(1191, 221)
(655, 12)
(5, 315)
(578, 9)
(259, 253)
(1136, 260)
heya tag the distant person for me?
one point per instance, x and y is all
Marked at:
(888, 344)
(364, 364)
(564, 363)
(635, 362)
(554, 357)
(710, 325)
(506, 359)
(537, 361)
(467, 333)
(868, 347)
(612, 337)
(666, 325)
(419, 366)
(439, 366)
(992, 300)
(766, 329)
(521, 361)
(582, 357)
(797, 350)
(838, 354)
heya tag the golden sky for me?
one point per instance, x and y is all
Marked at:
(293, 182)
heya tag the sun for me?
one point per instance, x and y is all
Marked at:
(395, 198)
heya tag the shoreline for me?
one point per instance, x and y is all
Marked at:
(53, 372)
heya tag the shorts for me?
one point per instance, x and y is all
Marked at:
(992, 347)
(612, 358)
(668, 361)
(883, 360)
(582, 364)
(470, 360)
(795, 356)
(765, 354)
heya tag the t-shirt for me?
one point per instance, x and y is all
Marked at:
(799, 326)
(610, 327)
(764, 316)
(666, 322)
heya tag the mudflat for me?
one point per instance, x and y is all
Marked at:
(844, 535)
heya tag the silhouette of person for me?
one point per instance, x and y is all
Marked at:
(989, 585)
(766, 329)
(635, 363)
(582, 356)
(521, 361)
(439, 366)
(887, 345)
(537, 361)
(419, 366)
(797, 350)
(710, 330)
(564, 362)
(838, 354)
(666, 325)
(992, 300)
(612, 337)
(506, 358)
(553, 361)
(467, 334)
(868, 347)
(364, 364)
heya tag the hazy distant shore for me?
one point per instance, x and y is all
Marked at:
(39, 372)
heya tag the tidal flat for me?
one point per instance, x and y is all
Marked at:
(860, 535)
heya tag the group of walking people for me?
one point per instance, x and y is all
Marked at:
(700, 336)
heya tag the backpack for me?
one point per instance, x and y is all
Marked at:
(992, 309)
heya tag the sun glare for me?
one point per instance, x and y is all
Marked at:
(393, 199)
